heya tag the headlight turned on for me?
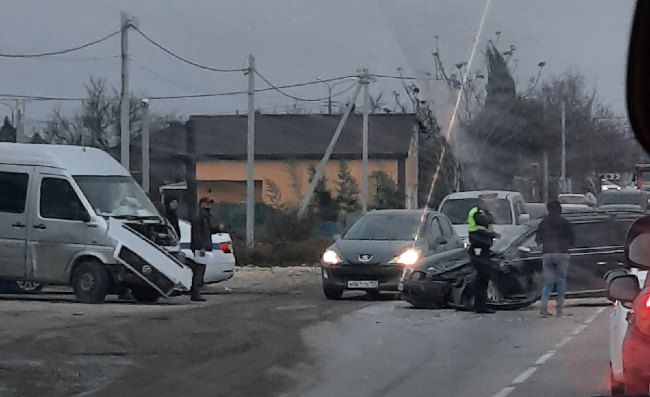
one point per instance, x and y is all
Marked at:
(407, 258)
(330, 257)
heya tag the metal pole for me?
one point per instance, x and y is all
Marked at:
(364, 148)
(545, 177)
(146, 184)
(563, 176)
(20, 122)
(125, 133)
(190, 169)
(250, 180)
(329, 99)
(321, 166)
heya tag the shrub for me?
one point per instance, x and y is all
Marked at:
(281, 253)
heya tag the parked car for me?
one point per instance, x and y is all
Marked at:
(220, 263)
(510, 212)
(72, 215)
(516, 280)
(572, 202)
(624, 200)
(536, 210)
(372, 254)
(629, 336)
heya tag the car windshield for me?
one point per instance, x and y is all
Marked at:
(118, 196)
(572, 200)
(389, 226)
(621, 199)
(458, 209)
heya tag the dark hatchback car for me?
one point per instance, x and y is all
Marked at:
(372, 254)
(599, 241)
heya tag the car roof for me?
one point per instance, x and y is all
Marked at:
(501, 194)
(76, 160)
(626, 192)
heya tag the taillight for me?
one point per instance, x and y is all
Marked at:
(226, 247)
(642, 314)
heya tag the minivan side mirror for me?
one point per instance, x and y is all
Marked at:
(523, 218)
(624, 288)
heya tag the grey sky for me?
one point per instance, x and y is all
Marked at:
(297, 40)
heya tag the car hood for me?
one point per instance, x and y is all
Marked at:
(381, 251)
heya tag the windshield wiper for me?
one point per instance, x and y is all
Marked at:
(136, 217)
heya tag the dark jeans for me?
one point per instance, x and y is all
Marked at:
(198, 273)
(483, 266)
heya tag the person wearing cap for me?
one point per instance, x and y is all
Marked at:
(481, 237)
(555, 234)
(171, 206)
(201, 242)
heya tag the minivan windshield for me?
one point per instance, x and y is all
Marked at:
(116, 195)
(457, 210)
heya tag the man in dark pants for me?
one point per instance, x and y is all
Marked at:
(171, 206)
(481, 236)
(202, 231)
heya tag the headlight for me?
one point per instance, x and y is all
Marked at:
(407, 258)
(330, 257)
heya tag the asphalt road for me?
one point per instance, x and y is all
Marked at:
(290, 341)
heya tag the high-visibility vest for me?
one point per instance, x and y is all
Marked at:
(471, 222)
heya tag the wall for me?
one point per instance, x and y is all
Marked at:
(280, 172)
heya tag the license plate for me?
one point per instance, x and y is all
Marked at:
(363, 284)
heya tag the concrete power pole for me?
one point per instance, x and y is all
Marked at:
(364, 146)
(250, 180)
(125, 133)
(146, 184)
(563, 174)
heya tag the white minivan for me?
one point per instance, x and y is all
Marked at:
(72, 215)
(509, 213)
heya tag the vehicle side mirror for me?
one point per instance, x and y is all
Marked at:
(624, 288)
(524, 250)
(523, 218)
(637, 244)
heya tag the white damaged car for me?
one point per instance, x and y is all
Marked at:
(220, 263)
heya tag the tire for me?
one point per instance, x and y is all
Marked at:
(332, 292)
(26, 287)
(145, 294)
(617, 389)
(90, 282)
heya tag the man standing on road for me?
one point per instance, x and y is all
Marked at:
(481, 237)
(555, 234)
(201, 243)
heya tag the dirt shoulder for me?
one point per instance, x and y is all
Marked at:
(240, 343)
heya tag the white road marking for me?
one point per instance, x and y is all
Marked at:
(524, 375)
(563, 342)
(579, 329)
(505, 391)
(545, 357)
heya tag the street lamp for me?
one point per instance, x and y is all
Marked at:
(329, 90)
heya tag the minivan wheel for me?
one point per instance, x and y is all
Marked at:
(90, 282)
(145, 294)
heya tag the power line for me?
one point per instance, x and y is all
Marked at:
(180, 58)
(385, 76)
(50, 53)
(279, 89)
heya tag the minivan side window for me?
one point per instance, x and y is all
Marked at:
(13, 186)
(59, 200)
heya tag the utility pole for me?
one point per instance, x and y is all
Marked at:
(365, 79)
(328, 152)
(563, 176)
(545, 177)
(250, 180)
(146, 185)
(125, 133)
(190, 168)
(20, 121)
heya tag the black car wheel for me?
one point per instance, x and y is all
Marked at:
(90, 282)
(332, 292)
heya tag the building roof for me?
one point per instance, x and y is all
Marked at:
(285, 136)
(76, 160)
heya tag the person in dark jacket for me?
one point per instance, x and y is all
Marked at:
(171, 206)
(202, 230)
(555, 234)
(481, 236)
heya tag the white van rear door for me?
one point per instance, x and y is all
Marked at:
(149, 261)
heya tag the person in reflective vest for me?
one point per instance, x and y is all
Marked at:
(481, 237)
